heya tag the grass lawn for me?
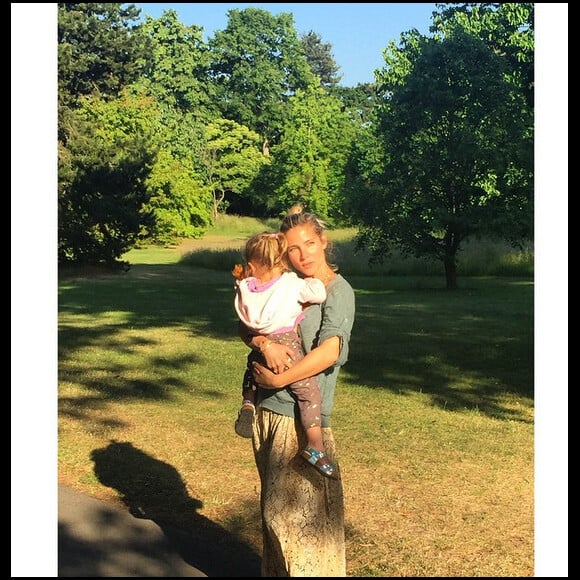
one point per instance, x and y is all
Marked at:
(434, 414)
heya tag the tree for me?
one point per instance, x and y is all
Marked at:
(105, 147)
(456, 138)
(308, 163)
(100, 49)
(103, 168)
(179, 204)
(258, 64)
(176, 75)
(506, 28)
(320, 58)
(359, 102)
(231, 159)
(176, 69)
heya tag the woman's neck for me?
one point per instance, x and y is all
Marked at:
(327, 275)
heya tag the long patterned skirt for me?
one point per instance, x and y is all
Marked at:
(302, 511)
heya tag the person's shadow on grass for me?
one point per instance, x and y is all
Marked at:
(154, 490)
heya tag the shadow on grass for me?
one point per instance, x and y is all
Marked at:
(470, 348)
(467, 349)
(154, 490)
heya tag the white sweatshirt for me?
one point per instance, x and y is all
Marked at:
(277, 305)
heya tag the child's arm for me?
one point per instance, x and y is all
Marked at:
(312, 291)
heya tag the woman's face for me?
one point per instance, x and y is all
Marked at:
(306, 250)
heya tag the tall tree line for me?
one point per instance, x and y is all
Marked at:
(160, 131)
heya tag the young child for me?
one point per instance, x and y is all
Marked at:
(269, 301)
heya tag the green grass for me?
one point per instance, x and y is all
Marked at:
(222, 247)
(232, 226)
(434, 413)
(476, 258)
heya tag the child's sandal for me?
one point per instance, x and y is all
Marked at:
(319, 460)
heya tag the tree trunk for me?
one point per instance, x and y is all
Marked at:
(217, 202)
(450, 272)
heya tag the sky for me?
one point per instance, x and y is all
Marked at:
(357, 32)
(33, 271)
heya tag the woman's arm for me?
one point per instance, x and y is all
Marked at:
(316, 361)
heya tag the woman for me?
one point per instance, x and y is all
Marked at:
(302, 511)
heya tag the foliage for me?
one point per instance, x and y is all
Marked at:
(106, 145)
(100, 48)
(359, 103)
(253, 120)
(177, 66)
(456, 151)
(231, 159)
(258, 63)
(506, 27)
(320, 58)
(364, 172)
(103, 168)
(179, 204)
(308, 163)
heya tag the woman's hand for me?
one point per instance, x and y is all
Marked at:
(265, 377)
(278, 357)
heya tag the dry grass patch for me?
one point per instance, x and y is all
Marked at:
(433, 417)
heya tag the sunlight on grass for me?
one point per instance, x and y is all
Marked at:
(434, 410)
(220, 248)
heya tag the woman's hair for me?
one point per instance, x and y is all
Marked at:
(297, 217)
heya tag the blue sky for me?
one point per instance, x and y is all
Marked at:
(357, 32)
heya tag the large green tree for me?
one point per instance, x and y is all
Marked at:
(176, 69)
(231, 159)
(258, 63)
(320, 58)
(102, 176)
(455, 138)
(506, 28)
(176, 75)
(100, 49)
(308, 162)
(179, 204)
(106, 143)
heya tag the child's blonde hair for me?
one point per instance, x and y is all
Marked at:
(268, 249)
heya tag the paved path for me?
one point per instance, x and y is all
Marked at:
(99, 539)
(96, 539)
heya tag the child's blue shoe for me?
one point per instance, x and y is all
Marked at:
(319, 460)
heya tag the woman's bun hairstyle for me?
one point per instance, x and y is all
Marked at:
(296, 208)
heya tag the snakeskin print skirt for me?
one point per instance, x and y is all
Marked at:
(302, 511)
